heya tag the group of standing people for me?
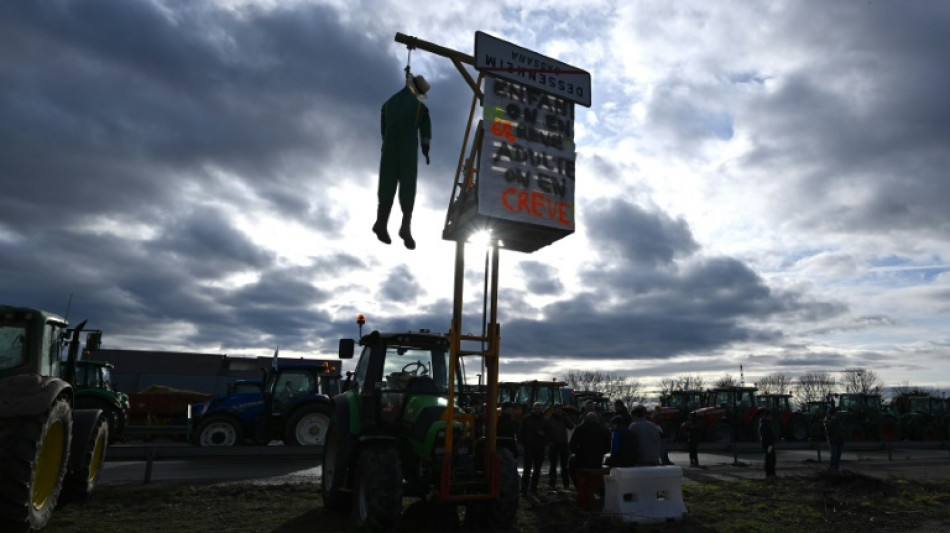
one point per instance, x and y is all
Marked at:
(629, 439)
(538, 433)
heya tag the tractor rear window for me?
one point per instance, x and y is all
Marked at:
(12, 345)
(405, 363)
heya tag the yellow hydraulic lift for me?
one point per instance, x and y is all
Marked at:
(521, 220)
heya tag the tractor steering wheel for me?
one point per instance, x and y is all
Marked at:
(416, 368)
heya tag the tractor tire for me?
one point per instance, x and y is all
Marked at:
(335, 470)
(890, 429)
(113, 415)
(797, 429)
(34, 456)
(90, 440)
(721, 433)
(854, 433)
(218, 430)
(505, 507)
(114, 420)
(378, 501)
(307, 426)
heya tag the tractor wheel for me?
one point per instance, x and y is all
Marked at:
(335, 470)
(378, 502)
(113, 419)
(307, 426)
(504, 508)
(721, 433)
(218, 430)
(90, 440)
(797, 429)
(854, 433)
(111, 413)
(890, 429)
(34, 455)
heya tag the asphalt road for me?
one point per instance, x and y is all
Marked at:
(715, 466)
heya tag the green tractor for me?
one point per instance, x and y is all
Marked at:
(863, 417)
(398, 429)
(923, 417)
(47, 448)
(793, 424)
(92, 381)
(815, 413)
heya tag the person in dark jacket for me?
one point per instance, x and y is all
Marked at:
(693, 433)
(532, 438)
(620, 409)
(589, 444)
(508, 429)
(767, 436)
(556, 427)
(835, 440)
(623, 444)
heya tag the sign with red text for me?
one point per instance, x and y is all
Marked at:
(526, 171)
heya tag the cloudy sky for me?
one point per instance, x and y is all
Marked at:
(761, 184)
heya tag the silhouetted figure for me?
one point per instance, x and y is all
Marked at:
(404, 123)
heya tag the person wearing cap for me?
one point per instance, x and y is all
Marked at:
(404, 124)
(532, 438)
(767, 436)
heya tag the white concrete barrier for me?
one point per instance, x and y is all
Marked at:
(645, 494)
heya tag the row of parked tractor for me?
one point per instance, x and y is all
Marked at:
(730, 414)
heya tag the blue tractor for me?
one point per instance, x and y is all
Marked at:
(292, 405)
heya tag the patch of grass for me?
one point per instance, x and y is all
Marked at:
(843, 503)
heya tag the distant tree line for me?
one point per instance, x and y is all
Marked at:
(612, 384)
(810, 386)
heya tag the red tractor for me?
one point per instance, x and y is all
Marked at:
(793, 424)
(734, 415)
(674, 407)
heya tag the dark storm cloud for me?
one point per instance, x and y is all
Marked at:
(541, 278)
(400, 286)
(653, 298)
(870, 114)
(121, 114)
(208, 246)
(107, 94)
(637, 237)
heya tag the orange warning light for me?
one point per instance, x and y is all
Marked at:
(360, 319)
